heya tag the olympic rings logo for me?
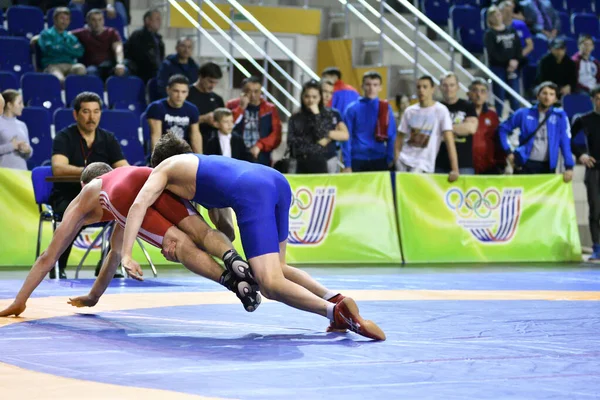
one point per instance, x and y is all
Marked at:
(301, 201)
(473, 203)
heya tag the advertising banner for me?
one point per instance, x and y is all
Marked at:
(486, 219)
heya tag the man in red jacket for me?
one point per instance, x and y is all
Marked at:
(488, 157)
(256, 121)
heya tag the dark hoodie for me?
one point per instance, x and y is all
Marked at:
(502, 46)
(171, 66)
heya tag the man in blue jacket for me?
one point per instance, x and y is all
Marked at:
(544, 129)
(180, 63)
(372, 128)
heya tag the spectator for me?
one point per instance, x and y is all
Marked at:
(333, 163)
(507, 9)
(402, 103)
(145, 49)
(202, 95)
(423, 127)
(372, 130)
(589, 155)
(557, 68)
(103, 47)
(174, 114)
(587, 66)
(488, 157)
(313, 130)
(73, 149)
(464, 125)
(343, 94)
(541, 17)
(224, 142)
(504, 54)
(543, 130)
(60, 48)
(112, 8)
(256, 121)
(180, 63)
(1, 105)
(14, 137)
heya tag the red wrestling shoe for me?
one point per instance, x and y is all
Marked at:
(346, 315)
(333, 327)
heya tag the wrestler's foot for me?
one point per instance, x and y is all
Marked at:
(240, 267)
(246, 292)
(346, 315)
(333, 327)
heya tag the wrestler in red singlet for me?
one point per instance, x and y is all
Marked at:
(121, 186)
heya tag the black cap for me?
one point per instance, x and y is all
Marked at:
(558, 44)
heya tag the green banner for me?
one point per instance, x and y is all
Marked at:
(486, 218)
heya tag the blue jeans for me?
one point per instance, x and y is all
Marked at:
(104, 70)
(461, 171)
(501, 93)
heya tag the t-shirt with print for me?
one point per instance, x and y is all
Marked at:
(464, 144)
(175, 120)
(251, 134)
(422, 129)
(205, 102)
(539, 151)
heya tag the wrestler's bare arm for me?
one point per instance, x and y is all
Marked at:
(82, 211)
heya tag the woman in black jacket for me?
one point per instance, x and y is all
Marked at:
(504, 54)
(313, 130)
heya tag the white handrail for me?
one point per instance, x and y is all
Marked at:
(273, 39)
(243, 52)
(228, 55)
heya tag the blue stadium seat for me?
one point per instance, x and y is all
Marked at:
(585, 24)
(565, 23)
(38, 123)
(540, 48)
(126, 93)
(471, 38)
(584, 6)
(145, 132)
(75, 84)
(8, 80)
(42, 190)
(116, 23)
(63, 117)
(1, 17)
(483, 18)
(572, 47)
(3, 32)
(152, 89)
(25, 21)
(560, 5)
(437, 10)
(529, 74)
(77, 18)
(16, 55)
(576, 104)
(596, 52)
(124, 125)
(462, 16)
(41, 89)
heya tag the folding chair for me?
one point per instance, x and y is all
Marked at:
(42, 190)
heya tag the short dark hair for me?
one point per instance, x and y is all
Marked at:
(251, 79)
(60, 10)
(178, 79)
(427, 78)
(479, 81)
(168, 145)
(595, 91)
(221, 112)
(10, 95)
(149, 13)
(545, 85)
(86, 97)
(332, 71)
(210, 70)
(92, 12)
(312, 84)
(94, 170)
(371, 75)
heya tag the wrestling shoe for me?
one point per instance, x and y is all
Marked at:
(240, 267)
(333, 327)
(346, 315)
(247, 293)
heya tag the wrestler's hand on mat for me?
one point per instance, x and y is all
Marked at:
(133, 268)
(14, 309)
(83, 301)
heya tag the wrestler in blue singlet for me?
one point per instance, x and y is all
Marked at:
(259, 195)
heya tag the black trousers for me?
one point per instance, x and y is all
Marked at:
(535, 167)
(311, 164)
(370, 165)
(592, 184)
